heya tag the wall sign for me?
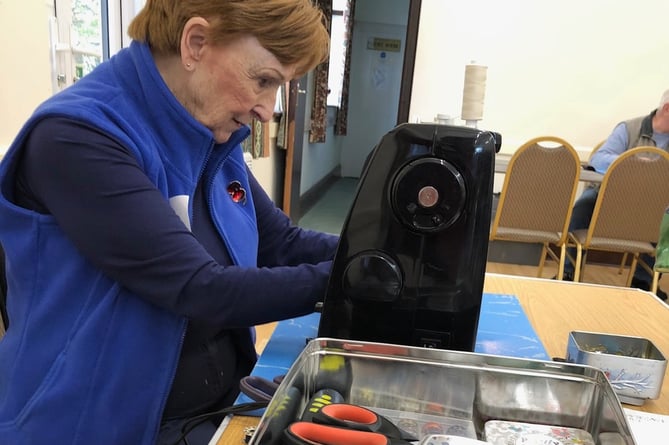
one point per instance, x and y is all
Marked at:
(381, 44)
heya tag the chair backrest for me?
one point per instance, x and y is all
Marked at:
(594, 150)
(633, 197)
(539, 187)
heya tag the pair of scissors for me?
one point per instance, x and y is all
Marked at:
(345, 424)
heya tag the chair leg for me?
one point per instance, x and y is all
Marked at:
(580, 258)
(544, 249)
(563, 254)
(642, 263)
(630, 275)
(622, 263)
(656, 279)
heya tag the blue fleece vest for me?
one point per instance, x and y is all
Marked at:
(85, 361)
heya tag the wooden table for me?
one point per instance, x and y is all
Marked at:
(502, 163)
(555, 308)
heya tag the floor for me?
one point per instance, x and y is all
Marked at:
(330, 212)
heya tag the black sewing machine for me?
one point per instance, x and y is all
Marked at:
(410, 264)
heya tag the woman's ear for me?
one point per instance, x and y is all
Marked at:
(193, 39)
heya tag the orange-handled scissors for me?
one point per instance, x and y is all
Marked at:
(337, 423)
(307, 433)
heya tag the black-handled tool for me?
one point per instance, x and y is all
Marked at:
(320, 399)
(280, 413)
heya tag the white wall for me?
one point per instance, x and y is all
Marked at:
(390, 12)
(266, 170)
(26, 71)
(569, 68)
(26, 76)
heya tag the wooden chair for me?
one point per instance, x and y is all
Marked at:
(537, 197)
(627, 215)
(597, 146)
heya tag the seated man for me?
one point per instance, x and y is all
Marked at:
(649, 130)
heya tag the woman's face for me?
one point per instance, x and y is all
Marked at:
(234, 83)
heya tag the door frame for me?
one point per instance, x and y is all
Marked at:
(296, 115)
(409, 61)
(297, 118)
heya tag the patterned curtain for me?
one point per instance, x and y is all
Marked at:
(258, 142)
(319, 107)
(341, 121)
(282, 131)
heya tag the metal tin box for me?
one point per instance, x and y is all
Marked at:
(633, 365)
(434, 391)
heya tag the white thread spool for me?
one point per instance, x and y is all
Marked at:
(473, 93)
(444, 119)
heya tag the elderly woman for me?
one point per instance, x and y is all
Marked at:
(140, 250)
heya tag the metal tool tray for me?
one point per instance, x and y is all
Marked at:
(634, 365)
(450, 388)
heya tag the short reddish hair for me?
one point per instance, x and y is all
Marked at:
(293, 30)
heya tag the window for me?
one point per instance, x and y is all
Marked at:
(338, 42)
(83, 33)
(86, 36)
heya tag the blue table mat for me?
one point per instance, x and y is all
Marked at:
(503, 330)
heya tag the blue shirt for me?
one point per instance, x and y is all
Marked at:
(616, 144)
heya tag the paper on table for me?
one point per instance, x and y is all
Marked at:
(647, 428)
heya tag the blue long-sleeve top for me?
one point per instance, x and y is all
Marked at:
(116, 241)
(62, 155)
(68, 164)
